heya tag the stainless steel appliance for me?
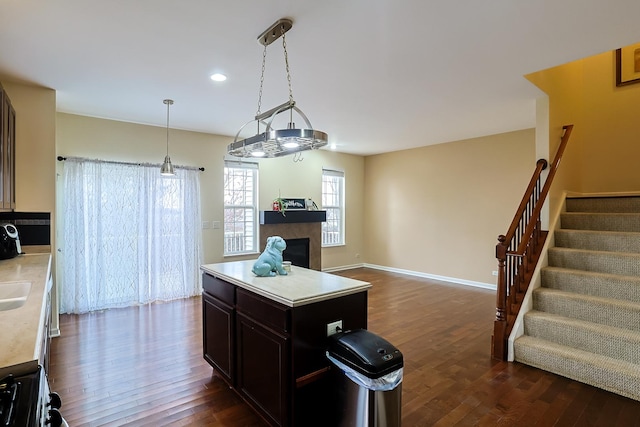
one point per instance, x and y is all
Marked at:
(9, 241)
(25, 401)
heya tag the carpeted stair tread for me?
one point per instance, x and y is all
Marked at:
(592, 283)
(606, 311)
(599, 371)
(603, 204)
(605, 340)
(595, 240)
(623, 263)
(585, 320)
(601, 221)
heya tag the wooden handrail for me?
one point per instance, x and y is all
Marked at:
(547, 185)
(540, 166)
(518, 251)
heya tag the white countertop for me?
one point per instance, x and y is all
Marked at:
(21, 329)
(301, 286)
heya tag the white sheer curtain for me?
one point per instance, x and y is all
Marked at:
(131, 236)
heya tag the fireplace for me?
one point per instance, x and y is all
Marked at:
(297, 252)
(296, 225)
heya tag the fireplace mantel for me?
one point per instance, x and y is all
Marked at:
(291, 217)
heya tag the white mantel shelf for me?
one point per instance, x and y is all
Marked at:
(300, 287)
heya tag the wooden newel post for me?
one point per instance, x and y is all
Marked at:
(500, 324)
(501, 300)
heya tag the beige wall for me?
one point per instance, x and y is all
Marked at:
(82, 136)
(603, 150)
(439, 209)
(35, 146)
(35, 157)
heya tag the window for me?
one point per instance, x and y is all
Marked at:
(240, 207)
(333, 203)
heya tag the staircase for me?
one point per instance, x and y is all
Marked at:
(585, 322)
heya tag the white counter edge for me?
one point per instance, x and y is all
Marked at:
(287, 302)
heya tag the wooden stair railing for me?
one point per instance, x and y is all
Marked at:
(519, 250)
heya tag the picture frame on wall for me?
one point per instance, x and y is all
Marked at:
(628, 65)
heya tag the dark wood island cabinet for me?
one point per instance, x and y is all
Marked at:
(267, 336)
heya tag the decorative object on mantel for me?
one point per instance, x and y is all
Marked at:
(280, 142)
(270, 261)
(278, 206)
(311, 205)
(294, 204)
(167, 167)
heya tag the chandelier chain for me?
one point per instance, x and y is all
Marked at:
(264, 61)
(286, 62)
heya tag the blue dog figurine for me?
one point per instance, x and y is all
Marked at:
(270, 261)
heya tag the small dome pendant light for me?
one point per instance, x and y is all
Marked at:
(167, 167)
(280, 142)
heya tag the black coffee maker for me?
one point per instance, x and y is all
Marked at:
(9, 241)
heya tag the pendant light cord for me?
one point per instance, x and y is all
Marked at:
(168, 102)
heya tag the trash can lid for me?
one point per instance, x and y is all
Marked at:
(365, 352)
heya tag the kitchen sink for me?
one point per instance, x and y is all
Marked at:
(13, 294)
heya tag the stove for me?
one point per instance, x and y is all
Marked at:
(25, 401)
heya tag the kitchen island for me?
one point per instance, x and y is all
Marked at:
(267, 336)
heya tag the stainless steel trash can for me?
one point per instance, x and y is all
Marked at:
(366, 380)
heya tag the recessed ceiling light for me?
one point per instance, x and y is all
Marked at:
(218, 77)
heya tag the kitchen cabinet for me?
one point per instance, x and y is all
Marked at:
(45, 344)
(7, 153)
(263, 366)
(270, 347)
(218, 328)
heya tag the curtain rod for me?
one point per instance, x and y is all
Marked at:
(60, 159)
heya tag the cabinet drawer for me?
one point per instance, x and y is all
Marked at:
(267, 312)
(220, 289)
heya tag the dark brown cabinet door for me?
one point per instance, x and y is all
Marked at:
(263, 369)
(7, 154)
(219, 339)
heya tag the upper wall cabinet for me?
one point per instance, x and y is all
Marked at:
(7, 153)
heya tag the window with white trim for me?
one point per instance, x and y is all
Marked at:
(333, 203)
(240, 207)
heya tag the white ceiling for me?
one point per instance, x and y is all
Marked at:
(376, 75)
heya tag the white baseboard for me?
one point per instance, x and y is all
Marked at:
(417, 274)
(342, 268)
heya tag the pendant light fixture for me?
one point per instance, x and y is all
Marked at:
(167, 167)
(277, 142)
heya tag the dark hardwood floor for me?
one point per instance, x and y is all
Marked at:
(143, 366)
